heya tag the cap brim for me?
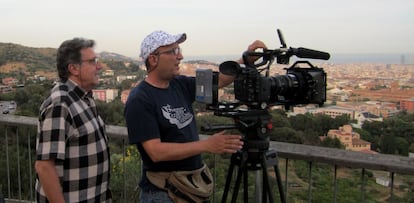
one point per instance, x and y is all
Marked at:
(182, 38)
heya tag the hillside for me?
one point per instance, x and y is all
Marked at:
(26, 58)
(17, 59)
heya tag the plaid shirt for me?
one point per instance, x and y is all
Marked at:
(72, 133)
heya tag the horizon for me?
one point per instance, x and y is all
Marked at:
(375, 26)
(339, 58)
(406, 59)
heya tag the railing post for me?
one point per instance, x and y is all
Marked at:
(19, 178)
(30, 165)
(7, 164)
(310, 183)
(363, 186)
(392, 187)
(286, 178)
(124, 167)
(215, 178)
(335, 183)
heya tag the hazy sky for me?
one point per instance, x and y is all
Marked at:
(214, 27)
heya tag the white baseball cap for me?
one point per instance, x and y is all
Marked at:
(158, 39)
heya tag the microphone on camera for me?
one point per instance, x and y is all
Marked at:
(309, 53)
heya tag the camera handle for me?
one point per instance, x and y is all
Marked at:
(282, 54)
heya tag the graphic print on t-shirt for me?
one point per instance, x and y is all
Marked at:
(180, 116)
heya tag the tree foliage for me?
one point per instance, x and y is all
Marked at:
(392, 136)
(112, 113)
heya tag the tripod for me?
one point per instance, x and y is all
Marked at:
(254, 156)
(253, 161)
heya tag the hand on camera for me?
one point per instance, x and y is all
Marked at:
(257, 44)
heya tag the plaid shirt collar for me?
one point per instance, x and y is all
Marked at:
(72, 85)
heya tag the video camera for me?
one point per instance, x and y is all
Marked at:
(254, 88)
(255, 91)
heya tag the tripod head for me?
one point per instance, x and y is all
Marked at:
(254, 126)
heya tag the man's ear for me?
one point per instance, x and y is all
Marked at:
(74, 69)
(153, 59)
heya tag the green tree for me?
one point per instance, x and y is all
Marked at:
(387, 144)
(279, 119)
(301, 122)
(411, 149)
(332, 143)
(402, 146)
(375, 128)
(311, 137)
(112, 113)
(285, 134)
(126, 85)
(30, 98)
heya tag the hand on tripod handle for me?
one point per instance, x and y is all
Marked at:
(220, 143)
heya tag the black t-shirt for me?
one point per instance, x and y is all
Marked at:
(152, 112)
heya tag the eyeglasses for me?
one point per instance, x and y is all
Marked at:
(93, 61)
(175, 51)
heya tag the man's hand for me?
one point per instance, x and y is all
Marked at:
(220, 143)
(257, 44)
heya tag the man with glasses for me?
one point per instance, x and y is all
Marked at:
(161, 121)
(72, 154)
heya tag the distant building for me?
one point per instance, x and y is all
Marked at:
(106, 95)
(5, 89)
(334, 111)
(351, 140)
(361, 117)
(407, 105)
(121, 78)
(108, 73)
(124, 96)
(381, 109)
(9, 81)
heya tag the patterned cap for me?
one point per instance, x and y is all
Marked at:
(158, 39)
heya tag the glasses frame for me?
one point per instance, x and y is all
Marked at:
(175, 51)
(94, 61)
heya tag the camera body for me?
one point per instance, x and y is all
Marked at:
(254, 88)
(300, 85)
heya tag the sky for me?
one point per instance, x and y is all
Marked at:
(214, 27)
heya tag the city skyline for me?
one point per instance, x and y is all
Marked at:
(215, 27)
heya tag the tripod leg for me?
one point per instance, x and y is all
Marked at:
(279, 184)
(241, 172)
(267, 191)
(271, 157)
(246, 186)
(229, 177)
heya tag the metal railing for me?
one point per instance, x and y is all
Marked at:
(19, 172)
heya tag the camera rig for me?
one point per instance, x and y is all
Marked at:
(255, 91)
(255, 88)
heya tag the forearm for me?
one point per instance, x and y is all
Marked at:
(50, 181)
(218, 143)
(225, 80)
(168, 151)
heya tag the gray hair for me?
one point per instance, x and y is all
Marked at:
(69, 52)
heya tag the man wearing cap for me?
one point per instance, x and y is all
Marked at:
(160, 118)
